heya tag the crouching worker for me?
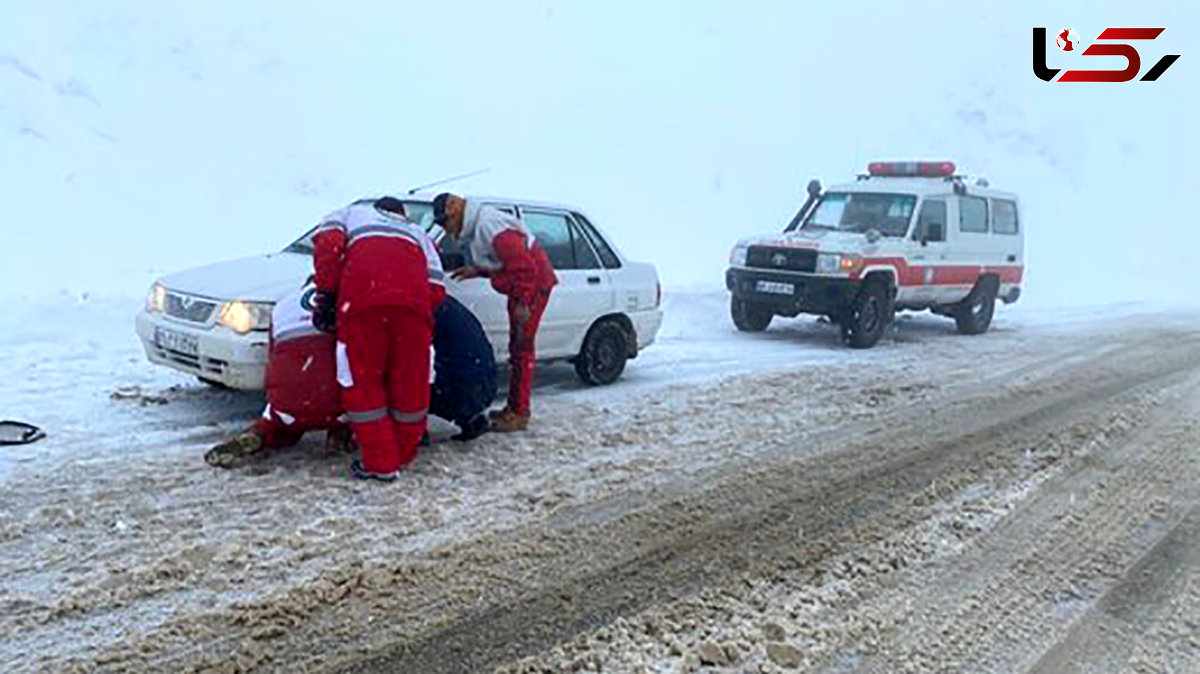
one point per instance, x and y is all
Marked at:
(302, 388)
(464, 367)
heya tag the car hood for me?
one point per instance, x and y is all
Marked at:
(265, 278)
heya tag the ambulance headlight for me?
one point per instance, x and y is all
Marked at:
(242, 317)
(737, 257)
(156, 301)
(829, 263)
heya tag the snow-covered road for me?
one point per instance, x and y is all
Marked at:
(120, 547)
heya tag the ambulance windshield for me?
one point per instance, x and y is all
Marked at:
(861, 211)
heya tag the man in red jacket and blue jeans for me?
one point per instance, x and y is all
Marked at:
(379, 279)
(505, 251)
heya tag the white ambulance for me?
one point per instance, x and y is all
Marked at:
(904, 236)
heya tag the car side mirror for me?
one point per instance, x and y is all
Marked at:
(934, 231)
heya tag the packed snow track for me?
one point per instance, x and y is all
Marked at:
(1022, 501)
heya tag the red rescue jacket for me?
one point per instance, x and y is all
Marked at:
(369, 258)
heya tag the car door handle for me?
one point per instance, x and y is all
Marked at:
(1012, 258)
(593, 280)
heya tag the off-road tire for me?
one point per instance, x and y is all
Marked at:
(602, 358)
(867, 316)
(974, 314)
(750, 316)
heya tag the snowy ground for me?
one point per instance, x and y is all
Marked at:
(120, 547)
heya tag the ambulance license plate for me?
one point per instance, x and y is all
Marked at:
(775, 288)
(176, 341)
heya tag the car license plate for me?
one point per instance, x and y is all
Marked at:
(176, 341)
(775, 288)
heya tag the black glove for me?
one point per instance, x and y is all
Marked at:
(324, 315)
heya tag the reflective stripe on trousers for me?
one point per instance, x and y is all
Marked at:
(368, 416)
(409, 417)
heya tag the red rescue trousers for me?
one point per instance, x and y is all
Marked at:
(383, 367)
(524, 317)
(302, 390)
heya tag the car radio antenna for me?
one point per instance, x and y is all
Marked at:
(443, 181)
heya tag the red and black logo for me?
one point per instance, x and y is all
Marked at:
(1068, 41)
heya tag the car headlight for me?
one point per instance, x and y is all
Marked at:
(737, 257)
(242, 317)
(156, 301)
(829, 263)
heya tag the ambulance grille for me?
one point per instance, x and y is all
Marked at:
(189, 308)
(783, 259)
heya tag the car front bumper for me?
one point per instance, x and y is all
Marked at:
(811, 294)
(221, 355)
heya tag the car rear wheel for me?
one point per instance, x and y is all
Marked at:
(974, 315)
(867, 316)
(604, 353)
(750, 316)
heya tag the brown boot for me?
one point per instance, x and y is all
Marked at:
(509, 421)
(228, 453)
(497, 414)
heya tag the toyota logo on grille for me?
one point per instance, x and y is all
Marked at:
(778, 259)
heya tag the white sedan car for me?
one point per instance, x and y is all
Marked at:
(213, 321)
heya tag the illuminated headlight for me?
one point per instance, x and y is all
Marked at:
(838, 264)
(737, 257)
(242, 317)
(156, 301)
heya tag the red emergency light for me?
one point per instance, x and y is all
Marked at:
(912, 169)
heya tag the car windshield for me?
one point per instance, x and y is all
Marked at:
(420, 212)
(861, 211)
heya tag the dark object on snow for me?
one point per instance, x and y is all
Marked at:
(19, 433)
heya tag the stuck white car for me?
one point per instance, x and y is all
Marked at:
(213, 321)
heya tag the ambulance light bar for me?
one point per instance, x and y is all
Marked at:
(911, 169)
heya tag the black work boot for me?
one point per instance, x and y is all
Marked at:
(472, 428)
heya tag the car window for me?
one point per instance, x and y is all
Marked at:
(931, 221)
(972, 215)
(607, 255)
(585, 257)
(419, 212)
(553, 232)
(1004, 220)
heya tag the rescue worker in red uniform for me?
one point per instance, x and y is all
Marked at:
(505, 251)
(379, 278)
(302, 390)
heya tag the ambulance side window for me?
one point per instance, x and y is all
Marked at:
(931, 222)
(1005, 218)
(972, 215)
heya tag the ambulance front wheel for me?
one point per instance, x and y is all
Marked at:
(864, 322)
(750, 316)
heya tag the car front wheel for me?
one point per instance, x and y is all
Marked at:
(604, 353)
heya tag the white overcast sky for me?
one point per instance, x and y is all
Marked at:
(138, 138)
